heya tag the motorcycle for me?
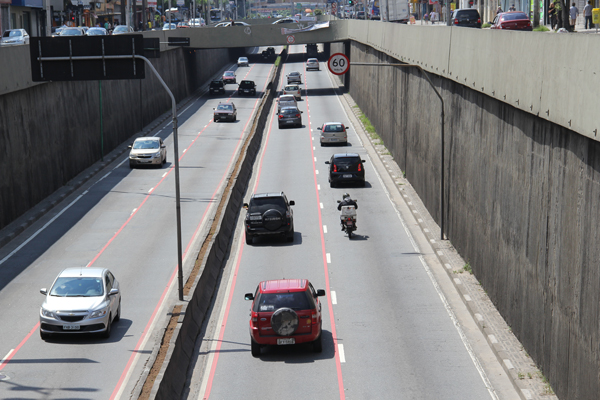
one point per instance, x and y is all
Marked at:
(348, 219)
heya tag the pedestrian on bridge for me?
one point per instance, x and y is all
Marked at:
(587, 14)
(573, 14)
(552, 14)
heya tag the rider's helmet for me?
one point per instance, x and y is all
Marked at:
(346, 196)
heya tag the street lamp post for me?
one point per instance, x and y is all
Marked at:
(426, 75)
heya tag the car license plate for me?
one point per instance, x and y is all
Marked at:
(286, 341)
(347, 176)
(333, 139)
(349, 223)
(71, 327)
(289, 122)
(246, 90)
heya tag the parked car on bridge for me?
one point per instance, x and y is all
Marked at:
(72, 31)
(247, 87)
(58, 30)
(182, 25)
(293, 90)
(12, 37)
(346, 168)
(333, 133)
(286, 21)
(269, 214)
(147, 151)
(225, 112)
(512, 20)
(197, 22)
(96, 31)
(312, 63)
(229, 77)
(228, 23)
(289, 116)
(217, 86)
(123, 29)
(169, 27)
(285, 312)
(81, 300)
(242, 62)
(468, 17)
(294, 77)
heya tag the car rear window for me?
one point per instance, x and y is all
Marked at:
(333, 128)
(269, 302)
(262, 204)
(224, 107)
(346, 160)
(290, 88)
(510, 17)
(289, 111)
(468, 14)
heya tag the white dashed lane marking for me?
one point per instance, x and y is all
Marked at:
(324, 228)
(328, 255)
(333, 297)
(321, 205)
(150, 191)
(341, 351)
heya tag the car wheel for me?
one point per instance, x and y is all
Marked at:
(253, 92)
(106, 333)
(318, 344)
(249, 239)
(284, 321)
(118, 316)
(255, 348)
(44, 336)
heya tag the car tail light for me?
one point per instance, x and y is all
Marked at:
(455, 21)
(314, 318)
(297, 115)
(280, 116)
(254, 318)
(478, 20)
(359, 168)
(334, 168)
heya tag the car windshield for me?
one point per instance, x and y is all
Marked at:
(247, 83)
(267, 302)
(312, 60)
(146, 144)
(262, 204)
(96, 32)
(121, 29)
(333, 128)
(13, 33)
(77, 287)
(346, 160)
(71, 32)
(227, 107)
(511, 16)
(243, 59)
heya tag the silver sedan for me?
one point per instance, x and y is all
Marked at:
(147, 151)
(81, 300)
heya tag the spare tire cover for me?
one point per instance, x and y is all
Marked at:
(284, 321)
(272, 219)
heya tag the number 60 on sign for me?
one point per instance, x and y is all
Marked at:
(338, 64)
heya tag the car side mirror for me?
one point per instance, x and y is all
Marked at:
(301, 112)
(113, 291)
(214, 108)
(44, 291)
(319, 128)
(339, 201)
(248, 296)
(363, 160)
(162, 146)
(292, 203)
(245, 206)
(320, 292)
(327, 162)
(130, 146)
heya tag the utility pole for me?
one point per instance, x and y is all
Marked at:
(536, 13)
(48, 18)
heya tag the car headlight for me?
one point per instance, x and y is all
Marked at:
(98, 313)
(157, 154)
(48, 313)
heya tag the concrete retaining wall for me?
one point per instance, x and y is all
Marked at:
(51, 132)
(523, 196)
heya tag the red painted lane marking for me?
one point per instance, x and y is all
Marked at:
(338, 364)
(213, 367)
(6, 361)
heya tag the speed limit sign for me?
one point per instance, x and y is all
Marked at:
(338, 64)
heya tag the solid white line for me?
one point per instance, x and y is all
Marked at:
(333, 297)
(107, 174)
(328, 255)
(342, 354)
(40, 230)
(324, 228)
(6, 356)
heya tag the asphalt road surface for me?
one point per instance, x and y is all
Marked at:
(123, 220)
(387, 331)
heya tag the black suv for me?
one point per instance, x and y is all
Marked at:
(269, 214)
(468, 17)
(217, 86)
(346, 167)
(247, 87)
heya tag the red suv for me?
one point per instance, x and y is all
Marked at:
(285, 311)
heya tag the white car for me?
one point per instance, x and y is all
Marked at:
(294, 90)
(14, 36)
(242, 62)
(168, 27)
(228, 23)
(196, 22)
(333, 133)
(286, 20)
(81, 300)
(122, 29)
(312, 63)
(147, 151)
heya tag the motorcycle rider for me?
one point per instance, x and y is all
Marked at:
(346, 201)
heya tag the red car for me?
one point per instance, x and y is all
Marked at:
(512, 20)
(285, 311)
(229, 77)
